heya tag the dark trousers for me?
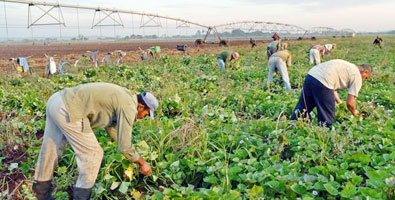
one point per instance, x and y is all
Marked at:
(315, 94)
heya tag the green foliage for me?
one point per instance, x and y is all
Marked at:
(225, 136)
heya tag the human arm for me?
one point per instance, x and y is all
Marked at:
(351, 99)
(337, 98)
(125, 119)
(289, 61)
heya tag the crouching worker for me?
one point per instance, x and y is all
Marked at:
(226, 57)
(72, 114)
(280, 61)
(321, 85)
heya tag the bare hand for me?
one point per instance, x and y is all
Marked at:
(356, 112)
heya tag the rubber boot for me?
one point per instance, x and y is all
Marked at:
(82, 193)
(43, 190)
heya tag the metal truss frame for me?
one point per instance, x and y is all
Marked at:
(59, 20)
(108, 15)
(253, 26)
(151, 22)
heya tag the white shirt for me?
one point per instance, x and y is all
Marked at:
(329, 46)
(338, 74)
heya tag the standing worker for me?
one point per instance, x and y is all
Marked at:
(275, 36)
(321, 85)
(280, 61)
(226, 57)
(72, 114)
(253, 43)
(378, 42)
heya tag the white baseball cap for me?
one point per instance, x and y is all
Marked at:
(151, 102)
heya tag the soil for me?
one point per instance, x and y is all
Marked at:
(12, 179)
(71, 51)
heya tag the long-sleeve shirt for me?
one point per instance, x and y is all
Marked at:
(225, 56)
(285, 56)
(104, 105)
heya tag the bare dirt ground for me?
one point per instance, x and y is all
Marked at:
(71, 51)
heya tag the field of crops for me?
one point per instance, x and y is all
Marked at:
(219, 136)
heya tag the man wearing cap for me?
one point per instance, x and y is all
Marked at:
(321, 85)
(226, 57)
(280, 61)
(72, 114)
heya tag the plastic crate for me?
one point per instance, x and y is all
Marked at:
(155, 49)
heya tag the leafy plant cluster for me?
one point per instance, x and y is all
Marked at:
(223, 136)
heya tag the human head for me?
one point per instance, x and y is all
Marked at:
(235, 55)
(365, 70)
(147, 104)
(333, 46)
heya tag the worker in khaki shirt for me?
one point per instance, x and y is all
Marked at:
(280, 61)
(72, 114)
(321, 85)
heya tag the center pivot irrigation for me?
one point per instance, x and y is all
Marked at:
(149, 20)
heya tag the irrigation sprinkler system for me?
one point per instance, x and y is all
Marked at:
(148, 20)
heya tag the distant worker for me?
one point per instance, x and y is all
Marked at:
(321, 85)
(93, 57)
(120, 55)
(316, 53)
(329, 48)
(51, 68)
(275, 36)
(22, 64)
(273, 47)
(280, 61)
(106, 59)
(253, 43)
(226, 57)
(72, 113)
(378, 42)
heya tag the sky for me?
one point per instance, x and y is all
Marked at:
(359, 15)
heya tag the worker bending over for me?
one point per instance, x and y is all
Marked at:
(280, 61)
(72, 113)
(321, 85)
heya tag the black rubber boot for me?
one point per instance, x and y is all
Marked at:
(43, 190)
(82, 193)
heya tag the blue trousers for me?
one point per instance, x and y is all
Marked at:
(221, 64)
(315, 94)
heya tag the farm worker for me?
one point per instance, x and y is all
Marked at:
(321, 85)
(329, 48)
(279, 61)
(51, 67)
(253, 43)
(93, 57)
(378, 42)
(226, 57)
(106, 59)
(23, 65)
(316, 53)
(72, 113)
(273, 47)
(275, 36)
